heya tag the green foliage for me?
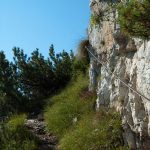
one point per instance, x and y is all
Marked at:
(62, 66)
(79, 66)
(15, 136)
(25, 82)
(16, 122)
(95, 131)
(35, 74)
(94, 20)
(103, 14)
(72, 118)
(67, 106)
(9, 94)
(133, 17)
(82, 60)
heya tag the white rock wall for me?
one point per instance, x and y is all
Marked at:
(129, 59)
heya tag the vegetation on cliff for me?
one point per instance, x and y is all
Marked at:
(133, 17)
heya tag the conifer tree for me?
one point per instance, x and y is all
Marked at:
(134, 18)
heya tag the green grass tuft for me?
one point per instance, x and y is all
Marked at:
(94, 20)
(72, 117)
(15, 136)
(95, 131)
(70, 104)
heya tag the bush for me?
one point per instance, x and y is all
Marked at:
(95, 131)
(68, 106)
(134, 19)
(79, 66)
(82, 50)
(82, 60)
(94, 20)
(15, 136)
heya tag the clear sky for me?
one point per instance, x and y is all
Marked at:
(31, 24)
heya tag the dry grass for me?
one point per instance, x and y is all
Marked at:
(82, 51)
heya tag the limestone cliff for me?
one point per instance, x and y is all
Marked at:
(129, 60)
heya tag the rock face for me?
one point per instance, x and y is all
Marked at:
(128, 60)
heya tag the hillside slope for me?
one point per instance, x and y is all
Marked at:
(72, 117)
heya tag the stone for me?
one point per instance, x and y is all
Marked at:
(128, 59)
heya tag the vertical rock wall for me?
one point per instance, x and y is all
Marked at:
(129, 59)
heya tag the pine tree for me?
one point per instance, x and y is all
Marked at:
(134, 18)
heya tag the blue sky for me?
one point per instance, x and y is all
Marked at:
(31, 24)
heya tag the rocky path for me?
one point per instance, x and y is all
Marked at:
(47, 141)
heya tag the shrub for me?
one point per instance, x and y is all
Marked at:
(82, 60)
(15, 136)
(68, 106)
(103, 14)
(82, 50)
(102, 42)
(79, 66)
(94, 20)
(133, 17)
(95, 131)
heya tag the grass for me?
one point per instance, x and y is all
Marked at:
(15, 136)
(72, 118)
(95, 131)
(68, 106)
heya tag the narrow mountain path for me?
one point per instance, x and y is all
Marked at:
(47, 141)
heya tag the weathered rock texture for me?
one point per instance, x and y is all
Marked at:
(129, 59)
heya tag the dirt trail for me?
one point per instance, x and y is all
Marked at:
(47, 141)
